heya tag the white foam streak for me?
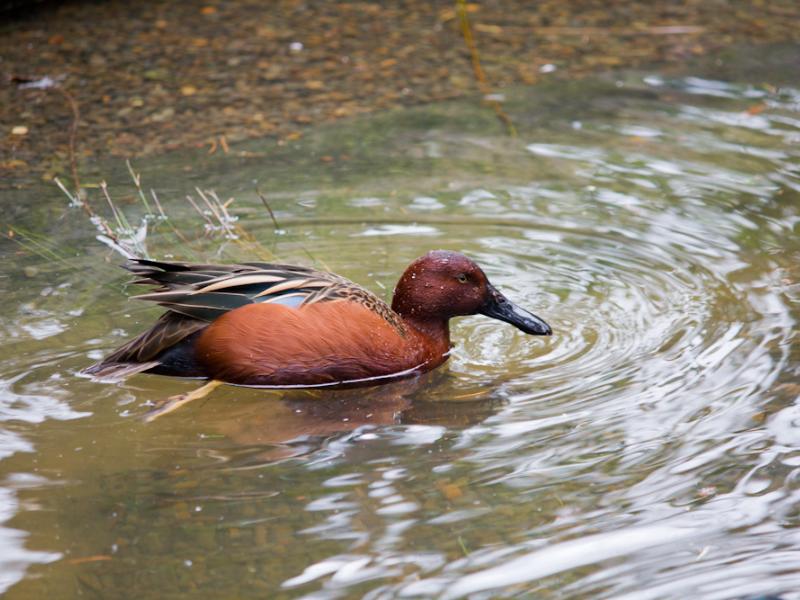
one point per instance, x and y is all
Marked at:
(567, 555)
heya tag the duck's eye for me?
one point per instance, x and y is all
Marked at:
(462, 278)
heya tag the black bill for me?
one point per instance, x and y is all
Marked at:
(499, 307)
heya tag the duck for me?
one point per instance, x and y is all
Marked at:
(276, 325)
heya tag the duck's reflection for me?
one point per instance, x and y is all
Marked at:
(284, 424)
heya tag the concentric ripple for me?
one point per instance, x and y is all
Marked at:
(666, 272)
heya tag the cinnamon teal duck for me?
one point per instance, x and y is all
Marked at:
(278, 325)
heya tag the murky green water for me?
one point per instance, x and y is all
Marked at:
(649, 449)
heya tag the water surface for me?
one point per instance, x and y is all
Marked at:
(649, 449)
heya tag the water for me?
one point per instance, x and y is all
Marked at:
(649, 449)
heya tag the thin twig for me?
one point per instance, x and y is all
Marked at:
(477, 69)
(158, 204)
(200, 212)
(239, 234)
(96, 220)
(209, 205)
(73, 137)
(119, 216)
(223, 206)
(78, 196)
(165, 218)
(268, 207)
(137, 181)
(217, 214)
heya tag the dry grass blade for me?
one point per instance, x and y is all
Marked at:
(73, 137)
(222, 206)
(133, 247)
(32, 243)
(242, 236)
(268, 207)
(122, 237)
(209, 222)
(218, 213)
(175, 402)
(76, 200)
(166, 219)
(137, 181)
(122, 221)
(158, 204)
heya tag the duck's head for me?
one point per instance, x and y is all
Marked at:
(444, 284)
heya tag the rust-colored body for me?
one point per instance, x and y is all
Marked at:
(338, 341)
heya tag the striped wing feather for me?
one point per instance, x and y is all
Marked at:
(206, 292)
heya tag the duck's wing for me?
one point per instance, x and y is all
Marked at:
(206, 292)
(142, 353)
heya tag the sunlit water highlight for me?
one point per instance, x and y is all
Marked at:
(649, 449)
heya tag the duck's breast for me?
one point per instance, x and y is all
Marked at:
(324, 342)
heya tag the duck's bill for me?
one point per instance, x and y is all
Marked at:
(499, 307)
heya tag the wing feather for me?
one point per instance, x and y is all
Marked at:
(242, 280)
(206, 292)
(142, 352)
